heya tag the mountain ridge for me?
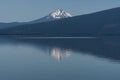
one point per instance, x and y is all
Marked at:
(55, 15)
(105, 22)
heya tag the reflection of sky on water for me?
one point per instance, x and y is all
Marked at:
(79, 59)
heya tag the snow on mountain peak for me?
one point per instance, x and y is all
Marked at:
(58, 14)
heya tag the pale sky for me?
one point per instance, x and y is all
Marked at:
(27, 10)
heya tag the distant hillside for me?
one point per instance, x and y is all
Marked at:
(6, 25)
(105, 22)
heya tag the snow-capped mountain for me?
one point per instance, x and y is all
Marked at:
(57, 14)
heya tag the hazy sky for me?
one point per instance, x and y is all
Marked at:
(27, 10)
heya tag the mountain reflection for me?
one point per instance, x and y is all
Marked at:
(108, 48)
(59, 53)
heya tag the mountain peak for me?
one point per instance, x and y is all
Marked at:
(59, 10)
(59, 13)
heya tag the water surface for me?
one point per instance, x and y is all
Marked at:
(59, 59)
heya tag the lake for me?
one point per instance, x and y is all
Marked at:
(60, 59)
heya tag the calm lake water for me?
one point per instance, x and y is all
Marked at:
(59, 59)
